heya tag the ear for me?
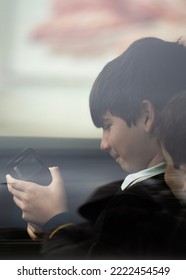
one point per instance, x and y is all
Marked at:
(148, 115)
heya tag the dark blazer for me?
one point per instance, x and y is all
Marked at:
(145, 221)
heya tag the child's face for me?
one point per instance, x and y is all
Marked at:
(131, 147)
(175, 178)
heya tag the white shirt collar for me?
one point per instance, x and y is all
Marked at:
(143, 174)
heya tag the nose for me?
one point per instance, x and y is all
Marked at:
(104, 146)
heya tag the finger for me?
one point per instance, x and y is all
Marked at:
(17, 193)
(18, 184)
(10, 179)
(10, 189)
(18, 202)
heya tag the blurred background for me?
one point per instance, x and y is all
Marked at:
(52, 51)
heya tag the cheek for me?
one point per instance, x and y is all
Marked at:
(117, 141)
(113, 137)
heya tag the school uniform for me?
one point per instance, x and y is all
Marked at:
(141, 220)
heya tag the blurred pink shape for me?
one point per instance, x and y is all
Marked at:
(92, 26)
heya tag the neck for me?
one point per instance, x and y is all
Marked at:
(157, 159)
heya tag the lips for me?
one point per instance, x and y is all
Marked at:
(115, 157)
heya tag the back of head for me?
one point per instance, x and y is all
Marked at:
(150, 69)
(172, 128)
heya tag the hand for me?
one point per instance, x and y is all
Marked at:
(39, 203)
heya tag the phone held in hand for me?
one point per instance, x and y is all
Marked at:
(28, 166)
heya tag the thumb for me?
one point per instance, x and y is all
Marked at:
(57, 180)
(57, 188)
(56, 175)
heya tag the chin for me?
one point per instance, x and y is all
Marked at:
(124, 167)
(130, 170)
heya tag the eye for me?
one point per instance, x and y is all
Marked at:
(106, 126)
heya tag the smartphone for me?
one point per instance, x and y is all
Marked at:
(28, 166)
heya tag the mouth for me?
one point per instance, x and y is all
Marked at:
(115, 157)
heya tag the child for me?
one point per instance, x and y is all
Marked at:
(140, 220)
(172, 134)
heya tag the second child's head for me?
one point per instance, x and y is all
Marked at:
(129, 95)
(172, 137)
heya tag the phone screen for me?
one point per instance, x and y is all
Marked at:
(28, 166)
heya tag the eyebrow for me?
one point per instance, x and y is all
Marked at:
(105, 119)
(106, 116)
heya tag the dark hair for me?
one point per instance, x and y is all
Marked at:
(150, 69)
(172, 128)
